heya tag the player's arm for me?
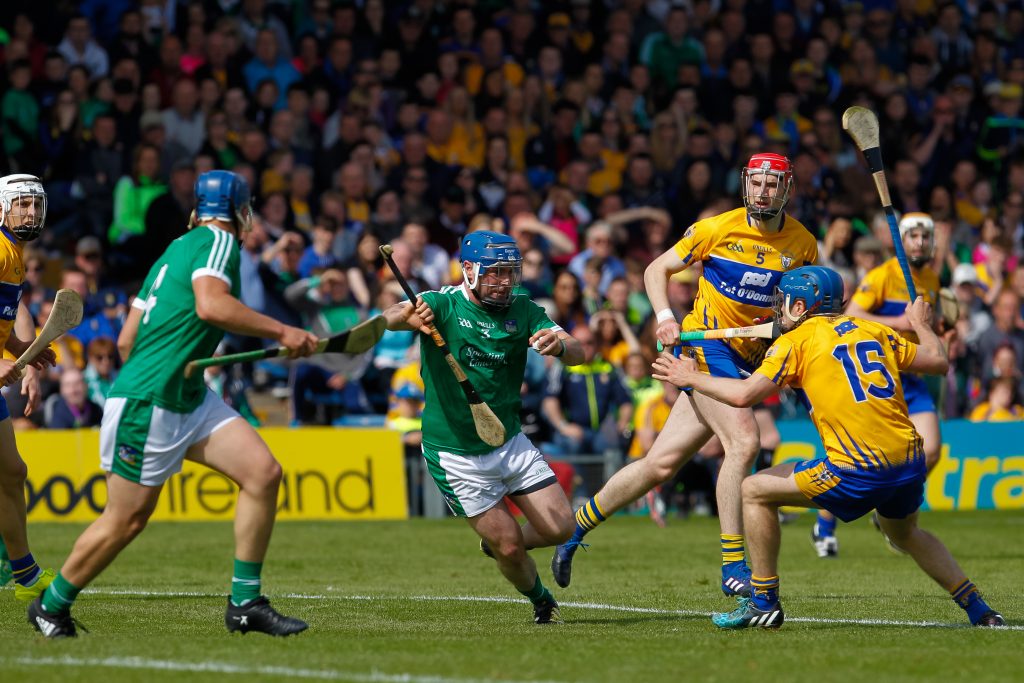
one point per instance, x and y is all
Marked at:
(739, 393)
(931, 357)
(402, 316)
(23, 334)
(126, 340)
(552, 341)
(656, 283)
(216, 305)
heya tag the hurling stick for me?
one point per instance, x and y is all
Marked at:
(65, 315)
(488, 426)
(862, 125)
(769, 330)
(358, 339)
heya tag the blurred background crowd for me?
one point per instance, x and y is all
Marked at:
(593, 131)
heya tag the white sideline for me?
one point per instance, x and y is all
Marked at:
(331, 595)
(215, 667)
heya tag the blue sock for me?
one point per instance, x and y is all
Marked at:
(25, 569)
(967, 596)
(826, 526)
(765, 591)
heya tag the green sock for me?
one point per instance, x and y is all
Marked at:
(3, 550)
(245, 584)
(58, 598)
(538, 593)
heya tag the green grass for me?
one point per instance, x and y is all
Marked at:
(365, 589)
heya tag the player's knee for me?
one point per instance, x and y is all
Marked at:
(753, 490)
(660, 467)
(133, 525)
(742, 446)
(267, 478)
(510, 551)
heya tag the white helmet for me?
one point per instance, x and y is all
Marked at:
(23, 199)
(919, 221)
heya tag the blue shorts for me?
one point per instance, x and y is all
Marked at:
(4, 410)
(716, 358)
(851, 494)
(915, 391)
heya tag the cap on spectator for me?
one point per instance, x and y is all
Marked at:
(559, 19)
(409, 390)
(802, 67)
(992, 88)
(868, 244)
(151, 119)
(962, 81)
(88, 245)
(1010, 91)
(964, 274)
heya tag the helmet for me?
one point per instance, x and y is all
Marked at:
(23, 201)
(765, 164)
(919, 221)
(820, 288)
(491, 253)
(223, 195)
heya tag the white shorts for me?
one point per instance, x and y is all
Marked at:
(473, 484)
(146, 444)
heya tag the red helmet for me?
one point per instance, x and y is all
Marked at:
(765, 200)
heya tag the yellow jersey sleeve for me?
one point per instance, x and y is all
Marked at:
(903, 350)
(781, 362)
(869, 293)
(696, 242)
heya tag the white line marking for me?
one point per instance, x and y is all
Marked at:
(331, 595)
(216, 667)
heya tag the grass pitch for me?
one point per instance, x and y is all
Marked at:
(416, 602)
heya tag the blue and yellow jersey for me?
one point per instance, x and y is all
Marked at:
(884, 290)
(846, 370)
(12, 276)
(742, 265)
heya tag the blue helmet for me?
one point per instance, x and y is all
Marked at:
(495, 255)
(820, 288)
(225, 196)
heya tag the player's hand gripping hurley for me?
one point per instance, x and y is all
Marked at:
(862, 125)
(65, 315)
(488, 426)
(358, 339)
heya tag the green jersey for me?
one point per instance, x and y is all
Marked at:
(170, 333)
(491, 346)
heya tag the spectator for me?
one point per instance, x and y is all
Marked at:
(1001, 404)
(19, 116)
(168, 215)
(269, 63)
(318, 256)
(100, 369)
(599, 245)
(71, 408)
(327, 308)
(78, 47)
(1006, 330)
(134, 193)
(184, 122)
(598, 423)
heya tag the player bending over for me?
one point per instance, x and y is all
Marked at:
(490, 326)
(22, 216)
(155, 418)
(744, 253)
(847, 371)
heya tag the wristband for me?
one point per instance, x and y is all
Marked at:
(666, 314)
(562, 352)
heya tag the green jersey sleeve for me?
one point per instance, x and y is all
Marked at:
(213, 256)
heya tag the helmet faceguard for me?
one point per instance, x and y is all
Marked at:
(492, 267)
(23, 206)
(764, 197)
(820, 288)
(916, 221)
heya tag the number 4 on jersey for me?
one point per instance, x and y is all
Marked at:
(151, 295)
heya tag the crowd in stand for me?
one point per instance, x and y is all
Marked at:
(593, 131)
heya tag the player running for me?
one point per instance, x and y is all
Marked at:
(155, 418)
(847, 371)
(22, 217)
(882, 298)
(490, 327)
(744, 253)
